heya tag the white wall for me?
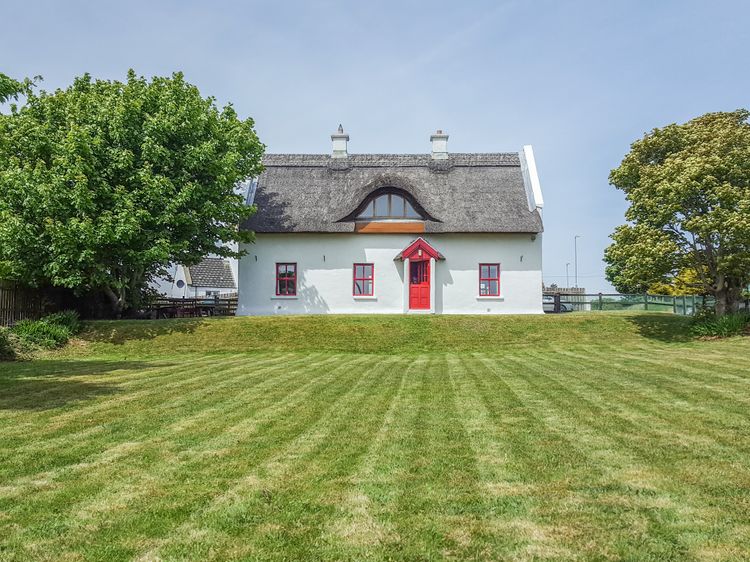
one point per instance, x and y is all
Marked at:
(168, 287)
(324, 264)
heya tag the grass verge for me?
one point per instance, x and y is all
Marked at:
(567, 438)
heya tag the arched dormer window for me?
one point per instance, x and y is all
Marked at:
(388, 206)
(389, 209)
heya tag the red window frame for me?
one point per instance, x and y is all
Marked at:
(489, 292)
(371, 279)
(287, 278)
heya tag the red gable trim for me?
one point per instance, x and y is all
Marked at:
(412, 251)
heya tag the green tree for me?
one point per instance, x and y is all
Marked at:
(686, 282)
(10, 88)
(105, 183)
(689, 192)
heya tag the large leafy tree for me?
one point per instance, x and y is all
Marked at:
(11, 88)
(105, 183)
(688, 187)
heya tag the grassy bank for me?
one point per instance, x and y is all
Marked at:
(601, 436)
(375, 334)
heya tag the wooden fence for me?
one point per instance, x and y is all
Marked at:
(19, 303)
(220, 305)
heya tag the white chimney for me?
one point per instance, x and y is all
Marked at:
(439, 142)
(339, 138)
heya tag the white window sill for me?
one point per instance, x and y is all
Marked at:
(364, 297)
(284, 297)
(490, 298)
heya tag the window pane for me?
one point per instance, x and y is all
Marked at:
(282, 287)
(410, 212)
(493, 271)
(367, 287)
(368, 210)
(381, 206)
(397, 206)
(358, 287)
(367, 271)
(494, 289)
(484, 272)
(483, 288)
(291, 287)
(291, 268)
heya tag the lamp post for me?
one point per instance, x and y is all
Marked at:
(575, 256)
(567, 275)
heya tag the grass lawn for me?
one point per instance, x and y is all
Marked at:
(575, 437)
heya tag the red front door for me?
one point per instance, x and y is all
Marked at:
(419, 285)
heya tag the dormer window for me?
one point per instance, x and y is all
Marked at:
(388, 206)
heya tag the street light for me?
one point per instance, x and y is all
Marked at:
(575, 255)
(567, 275)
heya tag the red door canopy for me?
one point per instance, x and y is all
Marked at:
(419, 285)
(420, 249)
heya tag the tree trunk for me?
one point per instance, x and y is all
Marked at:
(117, 302)
(720, 307)
(728, 295)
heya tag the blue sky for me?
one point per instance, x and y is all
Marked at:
(578, 80)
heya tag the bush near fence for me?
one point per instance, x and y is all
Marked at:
(27, 337)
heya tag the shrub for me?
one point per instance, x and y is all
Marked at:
(41, 333)
(67, 318)
(704, 314)
(7, 353)
(50, 332)
(710, 325)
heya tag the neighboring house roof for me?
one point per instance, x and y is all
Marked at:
(212, 272)
(463, 193)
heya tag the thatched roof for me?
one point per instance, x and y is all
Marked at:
(465, 193)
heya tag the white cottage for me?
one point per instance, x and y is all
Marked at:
(211, 277)
(394, 233)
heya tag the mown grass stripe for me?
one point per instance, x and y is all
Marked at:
(645, 460)
(299, 438)
(357, 527)
(504, 502)
(54, 417)
(227, 437)
(659, 397)
(282, 392)
(602, 461)
(144, 432)
(309, 475)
